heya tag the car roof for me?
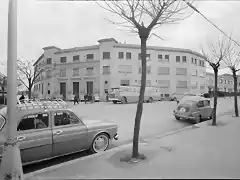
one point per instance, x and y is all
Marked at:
(23, 112)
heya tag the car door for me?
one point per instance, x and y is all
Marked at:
(208, 108)
(69, 133)
(201, 108)
(35, 141)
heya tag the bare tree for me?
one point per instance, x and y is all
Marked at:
(215, 57)
(27, 74)
(232, 61)
(142, 17)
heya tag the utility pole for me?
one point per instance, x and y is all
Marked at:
(11, 165)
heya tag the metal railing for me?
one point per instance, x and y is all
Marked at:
(43, 103)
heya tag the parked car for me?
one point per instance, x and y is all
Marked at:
(194, 108)
(50, 131)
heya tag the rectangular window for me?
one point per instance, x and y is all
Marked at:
(194, 84)
(90, 56)
(49, 73)
(194, 72)
(75, 71)
(160, 57)
(49, 60)
(184, 59)
(163, 83)
(120, 55)
(89, 71)
(166, 57)
(125, 69)
(203, 64)
(200, 63)
(63, 72)
(195, 61)
(128, 56)
(63, 59)
(42, 88)
(202, 86)
(106, 70)
(125, 83)
(201, 74)
(192, 60)
(178, 59)
(148, 69)
(140, 70)
(181, 71)
(181, 84)
(106, 55)
(76, 58)
(163, 70)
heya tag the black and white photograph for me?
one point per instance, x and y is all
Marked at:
(119, 89)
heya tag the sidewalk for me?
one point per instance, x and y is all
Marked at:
(201, 152)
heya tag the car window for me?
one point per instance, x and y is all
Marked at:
(33, 121)
(2, 121)
(206, 103)
(65, 118)
(200, 104)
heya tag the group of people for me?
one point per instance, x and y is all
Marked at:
(87, 98)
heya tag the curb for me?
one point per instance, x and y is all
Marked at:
(54, 167)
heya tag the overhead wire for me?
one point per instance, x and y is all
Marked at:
(195, 9)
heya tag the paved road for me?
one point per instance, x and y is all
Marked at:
(157, 118)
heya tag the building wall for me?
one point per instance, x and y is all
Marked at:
(121, 69)
(225, 82)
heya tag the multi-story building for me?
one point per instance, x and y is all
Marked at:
(225, 82)
(98, 68)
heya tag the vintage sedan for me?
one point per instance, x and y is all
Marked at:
(49, 132)
(194, 108)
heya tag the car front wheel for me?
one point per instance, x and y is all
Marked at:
(100, 143)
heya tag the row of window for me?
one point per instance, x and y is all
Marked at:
(106, 55)
(165, 83)
(76, 72)
(161, 70)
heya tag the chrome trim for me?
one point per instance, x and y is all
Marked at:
(116, 136)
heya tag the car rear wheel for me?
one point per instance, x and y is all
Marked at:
(177, 118)
(100, 143)
(114, 102)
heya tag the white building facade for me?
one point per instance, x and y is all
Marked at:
(98, 68)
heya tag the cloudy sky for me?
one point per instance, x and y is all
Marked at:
(71, 24)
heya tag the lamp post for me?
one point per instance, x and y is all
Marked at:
(11, 165)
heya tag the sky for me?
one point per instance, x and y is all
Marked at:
(71, 24)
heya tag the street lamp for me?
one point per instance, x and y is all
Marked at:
(11, 165)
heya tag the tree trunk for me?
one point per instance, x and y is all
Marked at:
(141, 98)
(214, 122)
(235, 93)
(30, 84)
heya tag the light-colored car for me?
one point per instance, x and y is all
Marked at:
(194, 108)
(48, 131)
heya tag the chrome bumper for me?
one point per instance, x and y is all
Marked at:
(184, 117)
(116, 137)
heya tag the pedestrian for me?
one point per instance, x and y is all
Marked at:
(85, 98)
(76, 98)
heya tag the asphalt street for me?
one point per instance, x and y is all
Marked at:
(157, 119)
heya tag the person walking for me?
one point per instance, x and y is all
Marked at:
(85, 98)
(76, 98)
